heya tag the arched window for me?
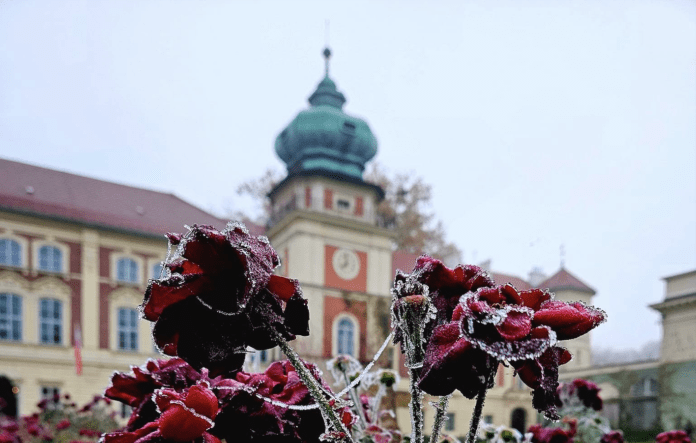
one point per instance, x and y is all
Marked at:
(346, 337)
(10, 317)
(50, 259)
(10, 252)
(157, 271)
(127, 270)
(518, 419)
(127, 329)
(51, 321)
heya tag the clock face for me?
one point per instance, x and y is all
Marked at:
(346, 264)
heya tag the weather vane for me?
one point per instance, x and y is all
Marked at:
(327, 51)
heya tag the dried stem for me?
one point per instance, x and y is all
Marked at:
(356, 401)
(478, 408)
(416, 407)
(440, 411)
(315, 389)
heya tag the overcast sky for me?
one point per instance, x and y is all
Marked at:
(537, 123)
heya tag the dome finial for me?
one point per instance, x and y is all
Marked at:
(327, 56)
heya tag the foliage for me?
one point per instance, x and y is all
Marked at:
(59, 420)
(407, 201)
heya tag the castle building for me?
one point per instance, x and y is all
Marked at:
(76, 254)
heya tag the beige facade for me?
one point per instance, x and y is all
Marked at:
(89, 295)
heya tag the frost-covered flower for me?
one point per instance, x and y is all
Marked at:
(553, 435)
(426, 298)
(252, 411)
(220, 296)
(580, 391)
(496, 324)
(613, 437)
(677, 436)
(184, 416)
(136, 388)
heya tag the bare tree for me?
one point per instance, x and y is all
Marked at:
(407, 203)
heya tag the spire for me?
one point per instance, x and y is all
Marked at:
(327, 56)
(326, 92)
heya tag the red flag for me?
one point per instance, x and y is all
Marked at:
(77, 338)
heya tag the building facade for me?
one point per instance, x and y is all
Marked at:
(76, 254)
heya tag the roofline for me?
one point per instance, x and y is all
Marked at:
(328, 174)
(572, 288)
(673, 301)
(89, 177)
(75, 221)
(670, 277)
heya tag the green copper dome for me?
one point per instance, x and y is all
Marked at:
(324, 138)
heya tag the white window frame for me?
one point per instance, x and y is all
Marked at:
(115, 258)
(356, 333)
(11, 315)
(54, 288)
(52, 322)
(130, 298)
(64, 259)
(151, 268)
(128, 329)
(22, 250)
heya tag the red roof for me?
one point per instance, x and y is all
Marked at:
(517, 282)
(565, 280)
(49, 193)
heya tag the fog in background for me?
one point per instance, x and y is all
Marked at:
(537, 123)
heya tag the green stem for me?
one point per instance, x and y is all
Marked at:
(416, 407)
(312, 384)
(440, 411)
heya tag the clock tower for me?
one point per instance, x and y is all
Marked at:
(326, 230)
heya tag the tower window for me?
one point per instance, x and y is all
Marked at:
(346, 337)
(343, 204)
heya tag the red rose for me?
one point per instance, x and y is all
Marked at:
(185, 416)
(246, 417)
(221, 296)
(613, 437)
(477, 325)
(551, 435)
(673, 437)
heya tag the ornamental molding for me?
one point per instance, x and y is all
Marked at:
(13, 281)
(126, 296)
(50, 286)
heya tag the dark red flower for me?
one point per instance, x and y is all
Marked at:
(220, 297)
(551, 435)
(613, 437)
(677, 436)
(478, 325)
(136, 389)
(585, 391)
(247, 417)
(63, 424)
(90, 433)
(185, 416)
